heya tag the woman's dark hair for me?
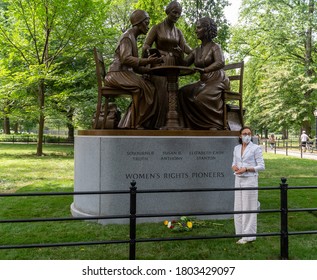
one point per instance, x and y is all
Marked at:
(210, 26)
(243, 128)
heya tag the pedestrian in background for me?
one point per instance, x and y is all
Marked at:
(304, 138)
(272, 141)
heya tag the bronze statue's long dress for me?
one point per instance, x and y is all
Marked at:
(122, 75)
(201, 103)
(165, 39)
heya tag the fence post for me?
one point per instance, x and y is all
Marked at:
(266, 145)
(284, 220)
(132, 220)
(275, 144)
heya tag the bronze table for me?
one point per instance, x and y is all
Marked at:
(172, 74)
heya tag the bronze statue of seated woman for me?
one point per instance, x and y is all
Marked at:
(201, 103)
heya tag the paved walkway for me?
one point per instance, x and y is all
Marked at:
(306, 155)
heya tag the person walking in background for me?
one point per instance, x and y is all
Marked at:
(247, 162)
(259, 139)
(272, 141)
(304, 138)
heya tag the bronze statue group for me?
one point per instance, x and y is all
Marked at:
(200, 103)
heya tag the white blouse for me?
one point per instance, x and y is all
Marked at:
(251, 158)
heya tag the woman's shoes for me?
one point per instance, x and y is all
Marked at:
(242, 241)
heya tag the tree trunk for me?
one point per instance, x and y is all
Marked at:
(41, 95)
(6, 125)
(309, 61)
(70, 126)
(41, 88)
(71, 133)
(16, 128)
(71, 129)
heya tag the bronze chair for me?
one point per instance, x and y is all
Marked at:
(108, 92)
(236, 77)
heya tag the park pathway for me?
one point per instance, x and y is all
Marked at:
(294, 153)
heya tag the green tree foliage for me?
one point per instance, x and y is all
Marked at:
(35, 36)
(279, 40)
(155, 8)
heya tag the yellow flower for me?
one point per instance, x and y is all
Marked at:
(189, 224)
(165, 222)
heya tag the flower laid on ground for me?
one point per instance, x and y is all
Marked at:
(188, 223)
(183, 224)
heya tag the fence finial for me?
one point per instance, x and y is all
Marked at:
(283, 179)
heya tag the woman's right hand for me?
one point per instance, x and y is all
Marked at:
(235, 168)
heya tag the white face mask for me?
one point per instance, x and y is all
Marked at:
(246, 139)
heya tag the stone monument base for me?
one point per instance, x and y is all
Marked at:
(108, 160)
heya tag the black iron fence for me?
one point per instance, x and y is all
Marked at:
(32, 139)
(281, 143)
(290, 147)
(133, 216)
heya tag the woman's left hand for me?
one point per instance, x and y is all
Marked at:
(241, 170)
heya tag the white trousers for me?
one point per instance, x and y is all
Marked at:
(246, 200)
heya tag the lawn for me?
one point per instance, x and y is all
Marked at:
(22, 171)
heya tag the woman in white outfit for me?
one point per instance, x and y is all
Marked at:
(247, 162)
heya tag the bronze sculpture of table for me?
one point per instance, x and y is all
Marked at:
(172, 74)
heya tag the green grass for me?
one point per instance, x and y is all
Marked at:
(22, 171)
(20, 167)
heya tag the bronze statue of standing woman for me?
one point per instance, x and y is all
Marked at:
(201, 103)
(170, 42)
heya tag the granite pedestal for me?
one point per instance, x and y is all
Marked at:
(106, 161)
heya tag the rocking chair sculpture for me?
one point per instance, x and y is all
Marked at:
(108, 92)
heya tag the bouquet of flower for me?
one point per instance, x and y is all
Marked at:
(183, 224)
(187, 224)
